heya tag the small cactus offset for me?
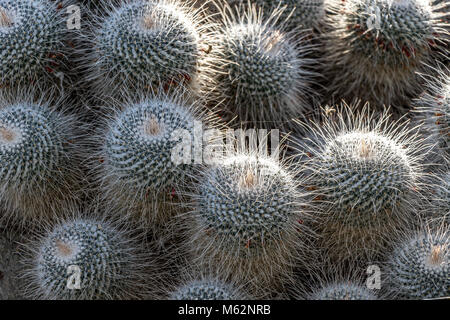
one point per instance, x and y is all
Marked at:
(140, 45)
(343, 291)
(419, 267)
(206, 289)
(256, 70)
(365, 173)
(377, 47)
(31, 36)
(108, 262)
(248, 222)
(138, 172)
(40, 171)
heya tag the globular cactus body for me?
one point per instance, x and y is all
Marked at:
(206, 289)
(145, 44)
(248, 222)
(257, 70)
(378, 46)
(31, 36)
(106, 260)
(419, 267)
(343, 291)
(366, 174)
(40, 170)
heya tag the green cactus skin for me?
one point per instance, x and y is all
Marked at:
(137, 174)
(365, 172)
(419, 267)
(256, 70)
(31, 36)
(112, 264)
(378, 46)
(206, 289)
(433, 109)
(343, 291)
(306, 14)
(40, 171)
(145, 44)
(248, 222)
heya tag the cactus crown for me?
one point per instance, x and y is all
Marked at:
(140, 142)
(343, 291)
(147, 43)
(247, 201)
(419, 267)
(30, 32)
(31, 143)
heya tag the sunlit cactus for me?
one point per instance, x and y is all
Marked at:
(144, 44)
(248, 222)
(366, 174)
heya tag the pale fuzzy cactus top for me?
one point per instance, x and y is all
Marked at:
(343, 291)
(141, 44)
(419, 268)
(31, 37)
(207, 289)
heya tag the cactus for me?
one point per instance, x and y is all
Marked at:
(419, 267)
(256, 70)
(31, 37)
(144, 44)
(247, 222)
(206, 289)
(40, 170)
(137, 171)
(342, 291)
(433, 108)
(306, 14)
(378, 46)
(365, 172)
(107, 259)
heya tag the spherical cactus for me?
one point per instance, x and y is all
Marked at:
(206, 289)
(306, 14)
(433, 109)
(40, 171)
(378, 46)
(84, 259)
(248, 222)
(256, 70)
(31, 36)
(419, 267)
(140, 173)
(145, 44)
(343, 291)
(365, 173)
